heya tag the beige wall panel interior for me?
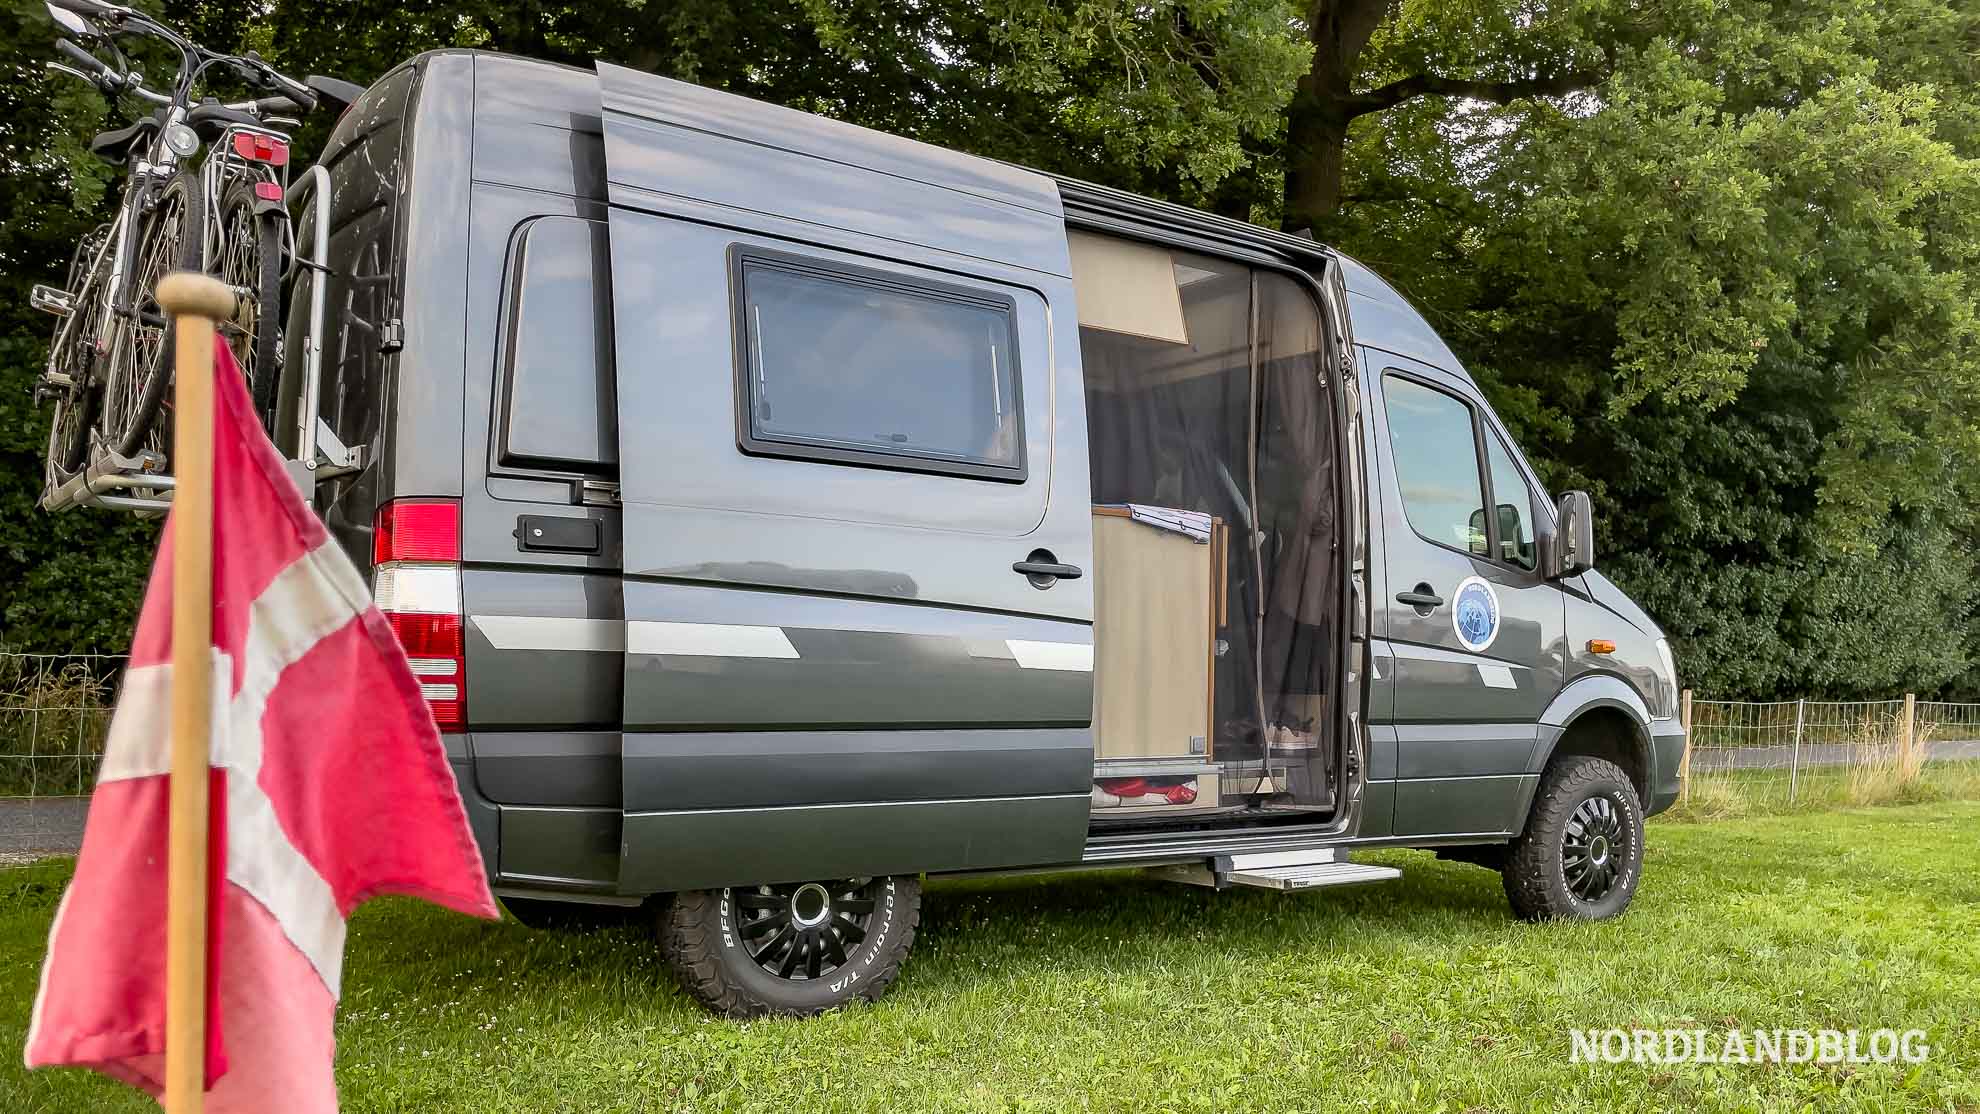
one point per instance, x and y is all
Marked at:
(1126, 287)
(1152, 640)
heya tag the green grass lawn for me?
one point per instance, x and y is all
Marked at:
(1117, 992)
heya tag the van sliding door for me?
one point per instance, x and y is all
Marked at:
(837, 463)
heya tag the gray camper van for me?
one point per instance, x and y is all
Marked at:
(777, 512)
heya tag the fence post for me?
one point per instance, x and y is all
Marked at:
(1684, 764)
(1908, 748)
(1794, 762)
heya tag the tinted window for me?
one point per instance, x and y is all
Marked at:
(1515, 505)
(1436, 456)
(557, 400)
(866, 369)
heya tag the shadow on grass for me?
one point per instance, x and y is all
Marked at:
(1030, 924)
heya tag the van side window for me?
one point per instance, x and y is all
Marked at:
(858, 367)
(1435, 450)
(1515, 507)
(558, 405)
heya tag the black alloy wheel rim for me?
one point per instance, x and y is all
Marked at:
(805, 930)
(1595, 849)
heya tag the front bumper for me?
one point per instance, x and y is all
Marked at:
(1667, 743)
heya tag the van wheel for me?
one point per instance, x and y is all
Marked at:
(798, 948)
(1582, 851)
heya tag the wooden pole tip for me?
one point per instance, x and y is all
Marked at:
(190, 292)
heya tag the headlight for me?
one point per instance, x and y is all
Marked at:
(1669, 697)
(183, 141)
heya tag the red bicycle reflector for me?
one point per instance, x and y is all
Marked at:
(417, 530)
(255, 147)
(268, 191)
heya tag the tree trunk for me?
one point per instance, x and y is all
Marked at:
(1317, 119)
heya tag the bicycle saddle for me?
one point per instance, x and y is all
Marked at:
(114, 146)
(209, 119)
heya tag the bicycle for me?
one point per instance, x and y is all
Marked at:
(109, 363)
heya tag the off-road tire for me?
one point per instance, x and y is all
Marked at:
(699, 937)
(1536, 870)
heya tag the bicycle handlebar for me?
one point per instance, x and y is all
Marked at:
(95, 68)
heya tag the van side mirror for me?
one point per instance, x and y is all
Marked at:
(1573, 550)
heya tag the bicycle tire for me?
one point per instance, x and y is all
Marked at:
(69, 352)
(250, 261)
(131, 410)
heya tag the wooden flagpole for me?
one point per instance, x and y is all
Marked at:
(195, 302)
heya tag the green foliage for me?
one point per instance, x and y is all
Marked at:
(1714, 260)
(71, 582)
(1730, 290)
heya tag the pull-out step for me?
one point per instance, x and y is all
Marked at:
(1278, 870)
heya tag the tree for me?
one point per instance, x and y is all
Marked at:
(1397, 51)
(1728, 288)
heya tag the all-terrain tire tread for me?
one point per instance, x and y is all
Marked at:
(1530, 860)
(689, 939)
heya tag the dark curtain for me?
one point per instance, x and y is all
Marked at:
(1298, 533)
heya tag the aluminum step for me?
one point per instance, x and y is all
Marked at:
(1315, 874)
(1282, 870)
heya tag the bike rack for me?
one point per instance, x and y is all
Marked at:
(135, 483)
(319, 452)
(118, 482)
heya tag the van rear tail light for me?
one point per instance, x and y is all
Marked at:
(433, 646)
(261, 148)
(417, 530)
(416, 580)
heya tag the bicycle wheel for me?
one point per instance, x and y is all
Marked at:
(71, 357)
(251, 262)
(141, 361)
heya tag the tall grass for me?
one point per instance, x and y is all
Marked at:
(53, 716)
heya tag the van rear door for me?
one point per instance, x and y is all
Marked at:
(853, 476)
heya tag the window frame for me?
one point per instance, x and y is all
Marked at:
(1479, 433)
(502, 393)
(744, 256)
(1491, 437)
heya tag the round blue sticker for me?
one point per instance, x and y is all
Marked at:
(1475, 613)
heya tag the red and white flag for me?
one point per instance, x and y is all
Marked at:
(329, 786)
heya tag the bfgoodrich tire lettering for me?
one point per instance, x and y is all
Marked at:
(724, 944)
(1581, 854)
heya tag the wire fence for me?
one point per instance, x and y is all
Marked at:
(54, 713)
(1816, 751)
(55, 710)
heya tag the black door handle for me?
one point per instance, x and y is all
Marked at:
(1047, 568)
(1424, 599)
(1043, 569)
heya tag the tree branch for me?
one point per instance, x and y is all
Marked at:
(1498, 92)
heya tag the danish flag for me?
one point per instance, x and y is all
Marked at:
(328, 786)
